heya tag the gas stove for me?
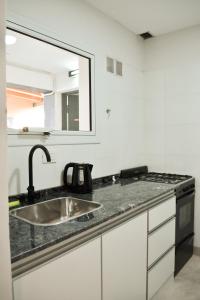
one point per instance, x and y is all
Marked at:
(164, 177)
(141, 173)
(183, 183)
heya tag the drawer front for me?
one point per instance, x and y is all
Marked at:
(160, 273)
(162, 212)
(160, 241)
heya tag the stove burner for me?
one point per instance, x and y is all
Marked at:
(164, 177)
(141, 173)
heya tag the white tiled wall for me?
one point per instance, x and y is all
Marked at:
(172, 107)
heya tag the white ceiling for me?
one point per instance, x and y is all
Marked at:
(31, 53)
(157, 16)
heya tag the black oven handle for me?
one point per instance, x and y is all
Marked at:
(189, 193)
(190, 236)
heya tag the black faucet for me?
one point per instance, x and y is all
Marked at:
(30, 188)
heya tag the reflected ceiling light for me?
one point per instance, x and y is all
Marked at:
(73, 73)
(10, 39)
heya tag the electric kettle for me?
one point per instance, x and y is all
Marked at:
(81, 179)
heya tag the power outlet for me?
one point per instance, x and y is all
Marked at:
(53, 158)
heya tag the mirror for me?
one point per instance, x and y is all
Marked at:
(48, 86)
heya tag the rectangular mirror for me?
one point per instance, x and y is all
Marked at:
(48, 85)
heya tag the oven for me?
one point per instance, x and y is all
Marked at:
(184, 228)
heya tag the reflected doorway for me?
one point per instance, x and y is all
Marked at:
(70, 111)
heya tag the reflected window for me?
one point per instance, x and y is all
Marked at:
(47, 86)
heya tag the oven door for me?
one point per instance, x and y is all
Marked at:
(184, 217)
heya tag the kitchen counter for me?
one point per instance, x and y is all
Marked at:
(122, 199)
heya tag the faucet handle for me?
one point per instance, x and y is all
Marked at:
(31, 194)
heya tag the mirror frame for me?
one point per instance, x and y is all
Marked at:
(62, 45)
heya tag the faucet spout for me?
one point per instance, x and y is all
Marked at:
(30, 168)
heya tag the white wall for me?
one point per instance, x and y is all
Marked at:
(121, 135)
(172, 106)
(5, 264)
(22, 76)
(65, 83)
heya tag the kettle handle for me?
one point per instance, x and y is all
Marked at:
(65, 173)
(88, 177)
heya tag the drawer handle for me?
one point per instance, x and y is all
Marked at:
(157, 260)
(161, 224)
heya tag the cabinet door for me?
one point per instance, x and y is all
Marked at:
(73, 276)
(124, 261)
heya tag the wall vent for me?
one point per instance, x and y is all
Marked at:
(118, 68)
(146, 35)
(110, 64)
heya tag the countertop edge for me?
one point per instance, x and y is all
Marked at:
(41, 257)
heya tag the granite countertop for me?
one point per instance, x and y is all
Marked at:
(116, 198)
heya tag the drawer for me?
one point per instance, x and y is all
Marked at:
(160, 241)
(160, 273)
(162, 212)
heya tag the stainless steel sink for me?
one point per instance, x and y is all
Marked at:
(55, 211)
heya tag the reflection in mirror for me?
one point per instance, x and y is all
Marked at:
(48, 87)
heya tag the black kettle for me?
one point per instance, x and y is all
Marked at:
(81, 181)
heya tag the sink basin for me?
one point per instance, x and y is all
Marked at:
(55, 211)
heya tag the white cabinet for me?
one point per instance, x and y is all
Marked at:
(160, 241)
(159, 273)
(124, 260)
(73, 276)
(117, 265)
(161, 213)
